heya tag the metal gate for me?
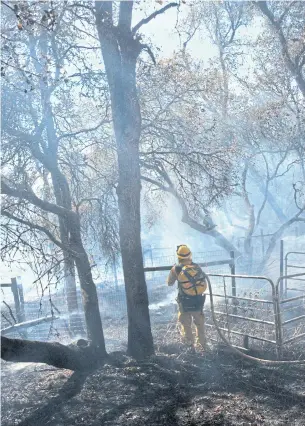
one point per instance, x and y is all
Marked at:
(294, 261)
(292, 308)
(249, 314)
(249, 308)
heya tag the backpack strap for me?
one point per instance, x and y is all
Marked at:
(191, 279)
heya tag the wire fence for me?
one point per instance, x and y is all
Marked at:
(244, 308)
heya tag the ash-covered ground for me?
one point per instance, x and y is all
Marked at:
(171, 388)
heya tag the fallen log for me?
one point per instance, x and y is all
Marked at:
(73, 357)
(27, 324)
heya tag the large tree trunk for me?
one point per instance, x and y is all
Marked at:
(61, 356)
(140, 341)
(71, 233)
(89, 293)
(120, 51)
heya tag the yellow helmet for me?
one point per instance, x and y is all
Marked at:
(183, 252)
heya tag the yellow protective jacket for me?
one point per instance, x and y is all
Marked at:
(184, 285)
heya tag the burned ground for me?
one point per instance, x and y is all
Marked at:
(171, 388)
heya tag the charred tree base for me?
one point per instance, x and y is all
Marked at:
(140, 340)
(72, 357)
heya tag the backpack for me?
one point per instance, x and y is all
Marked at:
(191, 280)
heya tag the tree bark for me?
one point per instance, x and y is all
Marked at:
(120, 51)
(60, 356)
(63, 198)
(89, 293)
(75, 320)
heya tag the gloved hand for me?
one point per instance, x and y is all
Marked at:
(178, 269)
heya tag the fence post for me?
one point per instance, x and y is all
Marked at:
(280, 326)
(24, 333)
(277, 319)
(226, 302)
(281, 266)
(14, 289)
(232, 267)
(286, 273)
(21, 298)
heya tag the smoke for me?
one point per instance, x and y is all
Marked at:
(168, 300)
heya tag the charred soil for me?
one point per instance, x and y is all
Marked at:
(171, 388)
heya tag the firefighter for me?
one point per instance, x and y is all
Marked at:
(191, 287)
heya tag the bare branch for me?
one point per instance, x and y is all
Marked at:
(41, 229)
(10, 311)
(152, 16)
(150, 52)
(33, 199)
(79, 132)
(156, 183)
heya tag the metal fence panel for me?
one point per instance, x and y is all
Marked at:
(292, 307)
(244, 305)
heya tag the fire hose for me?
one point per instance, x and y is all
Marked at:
(237, 351)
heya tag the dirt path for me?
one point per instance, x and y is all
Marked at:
(170, 389)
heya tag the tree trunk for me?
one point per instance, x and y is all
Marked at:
(140, 342)
(75, 320)
(89, 293)
(70, 232)
(61, 356)
(63, 198)
(120, 51)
